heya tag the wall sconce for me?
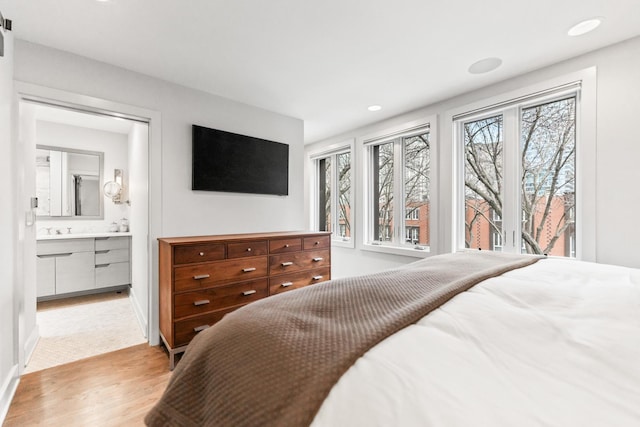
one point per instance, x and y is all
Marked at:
(114, 189)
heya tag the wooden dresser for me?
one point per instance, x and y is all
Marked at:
(203, 278)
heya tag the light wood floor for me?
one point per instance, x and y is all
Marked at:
(113, 389)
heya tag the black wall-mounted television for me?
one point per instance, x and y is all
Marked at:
(225, 161)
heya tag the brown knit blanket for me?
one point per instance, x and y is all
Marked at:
(273, 362)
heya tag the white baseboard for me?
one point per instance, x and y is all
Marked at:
(142, 321)
(7, 391)
(30, 345)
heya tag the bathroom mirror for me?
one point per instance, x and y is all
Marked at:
(68, 183)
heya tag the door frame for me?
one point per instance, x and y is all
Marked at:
(84, 103)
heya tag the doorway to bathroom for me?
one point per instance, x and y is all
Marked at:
(89, 291)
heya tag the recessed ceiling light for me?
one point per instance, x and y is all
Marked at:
(485, 65)
(584, 27)
(374, 108)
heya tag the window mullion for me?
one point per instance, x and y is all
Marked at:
(511, 180)
(459, 186)
(398, 192)
(335, 207)
(319, 186)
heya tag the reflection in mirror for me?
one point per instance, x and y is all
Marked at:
(68, 183)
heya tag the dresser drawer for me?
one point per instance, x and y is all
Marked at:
(185, 330)
(319, 242)
(198, 253)
(215, 273)
(286, 263)
(105, 243)
(246, 249)
(287, 282)
(113, 274)
(279, 246)
(112, 255)
(199, 302)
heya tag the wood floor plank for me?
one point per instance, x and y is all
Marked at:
(112, 389)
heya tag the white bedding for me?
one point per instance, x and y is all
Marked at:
(553, 344)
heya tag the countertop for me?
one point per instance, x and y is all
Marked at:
(81, 235)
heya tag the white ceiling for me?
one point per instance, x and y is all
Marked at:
(324, 61)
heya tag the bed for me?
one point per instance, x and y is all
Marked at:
(472, 338)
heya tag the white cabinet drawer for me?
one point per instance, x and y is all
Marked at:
(50, 247)
(105, 243)
(112, 255)
(45, 276)
(112, 274)
(75, 272)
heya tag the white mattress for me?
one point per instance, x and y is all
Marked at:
(553, 344)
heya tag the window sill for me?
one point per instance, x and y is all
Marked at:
(398, 250)
(339, 243)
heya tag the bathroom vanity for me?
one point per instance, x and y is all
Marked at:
(82, 263)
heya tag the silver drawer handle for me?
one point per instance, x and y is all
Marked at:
(287, 284)
(248, 270)
(318, 259)
(247, 293)
(316, 243)
(55, 255)
(317, 277)
(248, 249)
(50, 255)
(201, 302)
(286, 264)
(201, 254)
(286, 246)
(200, 328)
(103, 252)
(201, 276)
(102, 265)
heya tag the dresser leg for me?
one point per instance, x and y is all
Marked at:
(172, 360)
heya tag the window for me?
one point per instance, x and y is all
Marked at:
(333, 191)
(399, 180)
(497, 241)
(519, 175)
(412, 235)
(413, 213)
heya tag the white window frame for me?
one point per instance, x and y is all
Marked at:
(314, 157)
(398, 247)
(585, 209)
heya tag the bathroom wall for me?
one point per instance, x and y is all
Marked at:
(116, 156)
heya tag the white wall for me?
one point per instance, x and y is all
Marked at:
(116, 156)
(8, 235)
(175, 209)
(184, 212)
(617, 153)
(25, 252)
